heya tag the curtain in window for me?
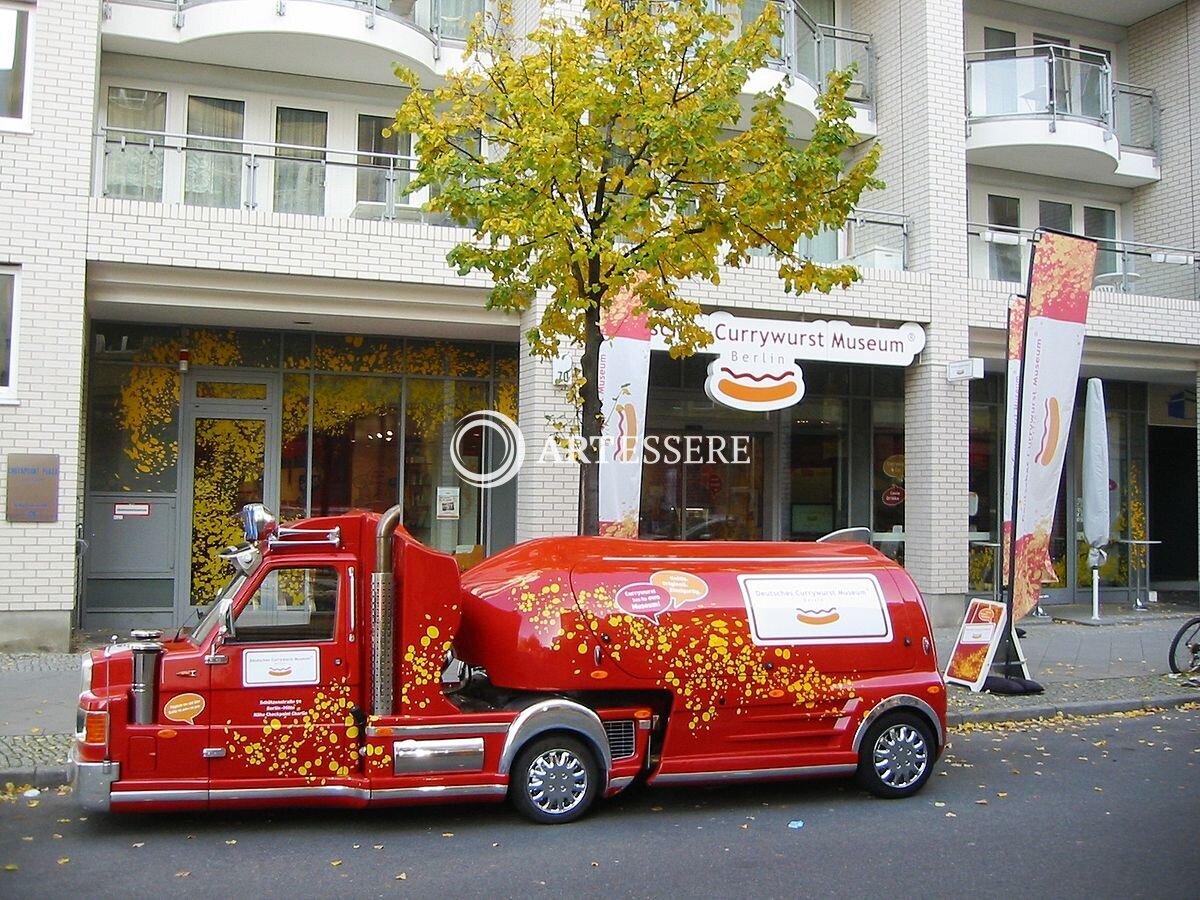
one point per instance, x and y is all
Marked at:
(457, 16)
(134, 171)
(1102, 223)
(1004, 259)
(14, 39)
(213, 169)
(300, 174)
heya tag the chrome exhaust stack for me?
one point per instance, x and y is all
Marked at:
(383, 605)
(147, 649)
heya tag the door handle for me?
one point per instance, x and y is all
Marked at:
(216, 659)
(187, 673)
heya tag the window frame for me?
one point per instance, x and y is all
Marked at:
(9, 392)
(281, 630)
(23, 124)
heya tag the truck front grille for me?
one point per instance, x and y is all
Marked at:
(621, 738)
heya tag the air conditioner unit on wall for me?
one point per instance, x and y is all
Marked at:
(879, 258)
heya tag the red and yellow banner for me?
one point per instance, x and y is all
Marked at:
(624, 372)
(1045, 347)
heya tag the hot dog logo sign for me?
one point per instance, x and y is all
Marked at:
(756, 366)
(793, 609)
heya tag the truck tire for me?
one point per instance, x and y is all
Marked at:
(555, 779)
(897, 755)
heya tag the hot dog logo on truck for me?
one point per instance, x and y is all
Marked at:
(271, 668)
(815, 609)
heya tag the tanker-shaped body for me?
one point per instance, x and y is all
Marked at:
(774, 652)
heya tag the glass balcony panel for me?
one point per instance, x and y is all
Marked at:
(1135, 116)
(457, 16)
(1121, 266)
(133, 158)
(1008, 86)
(299, 170)
(213, 168)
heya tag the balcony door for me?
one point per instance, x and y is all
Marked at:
(229, 457)
(996, 93)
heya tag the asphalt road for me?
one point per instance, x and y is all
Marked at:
(1104, 807)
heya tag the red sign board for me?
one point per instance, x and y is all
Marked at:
(893, 496)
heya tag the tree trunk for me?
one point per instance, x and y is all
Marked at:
(590, 426)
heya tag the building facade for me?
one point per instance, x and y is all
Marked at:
(215, 286)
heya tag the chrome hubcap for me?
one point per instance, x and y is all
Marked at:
(557, 781)
(901, 756)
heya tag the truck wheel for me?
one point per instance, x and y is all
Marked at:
(554, 779)
(896, 757)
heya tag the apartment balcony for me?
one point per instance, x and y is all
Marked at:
(1057, 111)
(804, 55)
(1123, 267)
(226, 173)
(355, 40)
(295, 185)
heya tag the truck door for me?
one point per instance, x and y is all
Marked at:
(286, 686)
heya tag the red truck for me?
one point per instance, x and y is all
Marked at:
(345, 664)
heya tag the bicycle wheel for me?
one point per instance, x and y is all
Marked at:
(1185, 649)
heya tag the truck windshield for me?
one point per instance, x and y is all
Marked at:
(218, 610)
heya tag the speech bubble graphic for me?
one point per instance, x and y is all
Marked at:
(184, 708)
(684, 587)
(644, 599)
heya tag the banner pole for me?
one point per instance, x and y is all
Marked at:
(1010, 579)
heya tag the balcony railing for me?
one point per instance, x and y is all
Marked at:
(227, 173)
(1152, 270)
(441, 19)
(812, 50)
(877, 239)
(869, 239)
(1046, 81)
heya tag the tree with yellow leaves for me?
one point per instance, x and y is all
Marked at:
(612, 152)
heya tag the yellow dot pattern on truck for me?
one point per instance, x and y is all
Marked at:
(316, 744)
(421, 665)
(706, 659)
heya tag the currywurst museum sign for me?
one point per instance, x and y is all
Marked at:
(756, 366)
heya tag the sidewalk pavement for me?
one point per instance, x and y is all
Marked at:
(1086, 667)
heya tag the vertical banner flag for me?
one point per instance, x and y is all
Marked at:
(1097, 518)
(1060, 280)
(624, 373)
(1096, 512)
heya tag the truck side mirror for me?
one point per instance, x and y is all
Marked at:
(226, 631)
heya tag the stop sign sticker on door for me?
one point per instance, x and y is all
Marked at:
(893, 496)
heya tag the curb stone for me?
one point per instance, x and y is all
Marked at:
(1073, 708)
(42, 777)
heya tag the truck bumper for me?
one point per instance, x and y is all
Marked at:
(92, 782)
